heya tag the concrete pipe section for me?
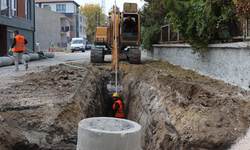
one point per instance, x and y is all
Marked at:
(6, 61)
(12, 59)
(33, 56)
(27, 57)
(103, 133)
(49, 54)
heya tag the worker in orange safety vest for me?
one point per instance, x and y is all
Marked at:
(117, 106)
(18, 47)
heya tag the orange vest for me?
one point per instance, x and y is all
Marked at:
(119, 112)
(20, 44)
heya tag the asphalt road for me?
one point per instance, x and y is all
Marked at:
(37, 65)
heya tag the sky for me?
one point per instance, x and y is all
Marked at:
(110, 3)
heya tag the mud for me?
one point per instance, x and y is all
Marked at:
(174, 113)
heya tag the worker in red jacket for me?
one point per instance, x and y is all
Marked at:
(117, 106)
(129, 25)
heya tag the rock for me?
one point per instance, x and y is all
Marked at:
(206, 104)
(239, 94)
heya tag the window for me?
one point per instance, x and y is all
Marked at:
(14, 7)
(61, 8)
(28, 9)
(5, 8)
(81, 29)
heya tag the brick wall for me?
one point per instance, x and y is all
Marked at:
(21, 9)
(72, 21)
(72, 34)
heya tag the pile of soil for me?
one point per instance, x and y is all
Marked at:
(180, 114)
(53, 84)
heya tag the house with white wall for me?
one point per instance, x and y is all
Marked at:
(67, 7)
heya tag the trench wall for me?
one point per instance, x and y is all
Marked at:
(227, 62)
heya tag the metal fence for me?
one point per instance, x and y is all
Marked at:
(169, 36)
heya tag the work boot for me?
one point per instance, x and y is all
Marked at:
(26, 66)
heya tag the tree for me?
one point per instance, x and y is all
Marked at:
(200, 21)
(89, 10)
(154, 14)
(242, 8)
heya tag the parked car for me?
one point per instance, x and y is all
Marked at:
(87, 47)
(77, 44)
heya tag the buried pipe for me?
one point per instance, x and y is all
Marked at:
(108, 134)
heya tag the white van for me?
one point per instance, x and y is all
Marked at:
(77, 44)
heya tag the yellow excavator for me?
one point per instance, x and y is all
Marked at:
(128, 35)
(126, 26)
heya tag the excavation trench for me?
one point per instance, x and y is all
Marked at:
(173, 114)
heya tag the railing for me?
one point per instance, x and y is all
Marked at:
(169, 36)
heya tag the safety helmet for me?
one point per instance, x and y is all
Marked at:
(115, 95)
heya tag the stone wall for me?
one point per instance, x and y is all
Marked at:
(227, 62)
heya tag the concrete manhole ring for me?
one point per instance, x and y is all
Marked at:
(99, 132)
(109, 124)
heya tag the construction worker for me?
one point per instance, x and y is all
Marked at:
(117, 106)
(129, 25)
(18, 47)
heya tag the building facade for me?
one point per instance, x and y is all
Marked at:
(82, 26)
(52, 28)
(67, 7)
(17, 15)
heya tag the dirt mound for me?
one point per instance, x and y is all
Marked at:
(55, 83)
(42, 110)
(52, 124)
(176, 114)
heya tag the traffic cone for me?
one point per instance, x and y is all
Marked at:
(53, 50)
(49, 49)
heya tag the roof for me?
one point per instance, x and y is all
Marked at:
(55, 1)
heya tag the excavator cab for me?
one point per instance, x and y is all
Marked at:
(130, 27)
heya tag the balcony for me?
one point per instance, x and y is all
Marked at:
(64, 29)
